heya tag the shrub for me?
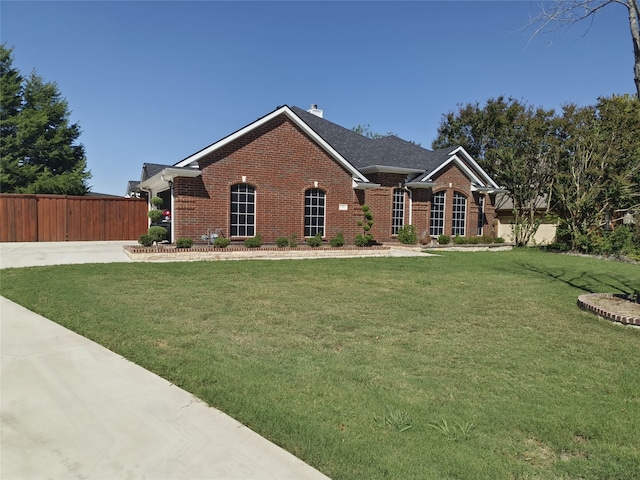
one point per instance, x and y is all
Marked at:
(253, 242)
(621, 239)
(282, 242)
(221, 242)
(337, 241)
(473, 240)
(407, 235)
(498, 240)
(158, 234)
(458, 240)
(156, 202)
(155, 215)
(486, 239)
(363, 240)
(184, 242)
(145, 240)
(315, 241)
(444, 239)
(293, 242)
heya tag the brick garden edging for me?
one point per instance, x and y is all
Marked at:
(584, 302)
(198, 253)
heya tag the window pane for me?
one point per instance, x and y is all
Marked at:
(459, 214)
(397, 211)
(242, 210)
(314, 212)
(436, 222)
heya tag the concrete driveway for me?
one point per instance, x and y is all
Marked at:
(71, 409)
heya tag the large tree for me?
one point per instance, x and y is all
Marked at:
(513, 142)
(598, 170)
(39, 152)
(562, 14)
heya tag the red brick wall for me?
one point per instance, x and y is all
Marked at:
(280, 162)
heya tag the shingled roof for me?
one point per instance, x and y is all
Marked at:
(362, 152)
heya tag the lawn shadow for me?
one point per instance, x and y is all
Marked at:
(588, 281)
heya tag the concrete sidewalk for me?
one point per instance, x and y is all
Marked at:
(28, 254)
(71, 409)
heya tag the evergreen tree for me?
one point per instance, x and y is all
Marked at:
(38, 149)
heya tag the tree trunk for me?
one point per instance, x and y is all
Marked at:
(634, 16)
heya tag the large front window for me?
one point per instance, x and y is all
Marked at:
(436, 223)
(243, 210)
(397, 214)
(314, 201)
(459, 214)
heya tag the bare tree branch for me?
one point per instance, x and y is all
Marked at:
(563, 14)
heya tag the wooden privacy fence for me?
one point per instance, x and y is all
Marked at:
(59, 218)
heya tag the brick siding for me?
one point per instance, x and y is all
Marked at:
(281, 162)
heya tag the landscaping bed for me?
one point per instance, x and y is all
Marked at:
(614, 307)
(238, 252)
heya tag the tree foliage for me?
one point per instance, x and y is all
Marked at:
(562, 14)
(598, 172)
(584, 162)
(39, 152)
(513, 142)
(365, 131)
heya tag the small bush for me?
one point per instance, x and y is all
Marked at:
(253, 242)
(145, 240)
(315, 241)
(155, 215)
(221, 242)
(293, 242)
(407, 235)
(444, 239)
(498, 240)
(184, 242)
(458, 240)
(156, 202)
(158, 234)
(337, 241)
(282, 242)
(363, 240)
(487, 239)
(474, 240)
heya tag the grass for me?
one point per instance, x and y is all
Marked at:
(464, 366)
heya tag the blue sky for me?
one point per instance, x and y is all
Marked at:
(156, 81)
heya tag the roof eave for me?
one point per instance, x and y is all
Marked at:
(390, 169)
(420, 184)
(167, 175)
(364, 185)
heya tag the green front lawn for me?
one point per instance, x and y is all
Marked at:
(464, 366)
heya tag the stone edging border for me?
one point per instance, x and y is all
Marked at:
(200, 253)
(584, 302)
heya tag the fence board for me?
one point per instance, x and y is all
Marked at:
(56, 218)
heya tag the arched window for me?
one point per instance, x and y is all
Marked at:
(436, 222)
(243, 210)
(314, 207)
(397, 212)
(459, 214)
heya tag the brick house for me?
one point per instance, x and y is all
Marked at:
(294, 172)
